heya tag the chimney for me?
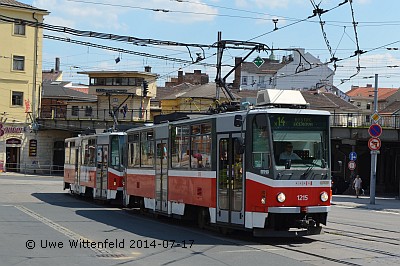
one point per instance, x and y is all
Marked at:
(57, 69)
(238, 75)
(180, 77)
(369, 85)
(147, 69)
(197, 72)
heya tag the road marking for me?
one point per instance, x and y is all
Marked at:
(100, 252)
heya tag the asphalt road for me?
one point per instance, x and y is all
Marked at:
(40, 224)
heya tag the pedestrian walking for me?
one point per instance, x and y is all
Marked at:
(357, 185)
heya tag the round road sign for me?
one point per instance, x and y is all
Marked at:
(374, 144)
(375, 130)
(351, 165)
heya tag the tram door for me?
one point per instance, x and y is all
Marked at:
(161, 175)
(75, 153)
(230, 181)
(101, 170)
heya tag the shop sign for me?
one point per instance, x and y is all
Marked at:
(33, 147)
(13, 141)
(10, 130)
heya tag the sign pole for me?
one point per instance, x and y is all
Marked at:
(374, 154)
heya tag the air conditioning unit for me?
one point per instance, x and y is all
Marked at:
(281, 98)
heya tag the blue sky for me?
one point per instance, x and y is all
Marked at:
(198, 21)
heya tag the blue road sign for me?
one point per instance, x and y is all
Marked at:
(375, 130)
(353, 156)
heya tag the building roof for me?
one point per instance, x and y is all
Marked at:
(118, 73)
(50, 75)
(162, 92)
(205, 91)
(327, 101)
(269, 67)
(392, 108)
(368, 92)
(58, 89)
(16, 4)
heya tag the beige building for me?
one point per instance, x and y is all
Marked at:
(120, 95)
(20, 80)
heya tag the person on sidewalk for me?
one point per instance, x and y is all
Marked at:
(357, 185)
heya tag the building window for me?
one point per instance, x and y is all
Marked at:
(17, 98)
(19, 29)
(368, 106)
(358, 104)
(367, 119)
(18, 63)
(244, 80)
(75, 110)
(88, 111)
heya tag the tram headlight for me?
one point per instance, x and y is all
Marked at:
(281, 197)
(324, 196)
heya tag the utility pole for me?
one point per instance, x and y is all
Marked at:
(374, 154)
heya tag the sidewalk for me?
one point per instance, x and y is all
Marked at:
(389, 204)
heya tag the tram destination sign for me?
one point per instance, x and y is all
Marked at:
(284, 121)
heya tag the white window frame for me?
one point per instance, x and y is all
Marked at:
(244, 80)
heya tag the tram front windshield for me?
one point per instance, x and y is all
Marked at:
(300, 140)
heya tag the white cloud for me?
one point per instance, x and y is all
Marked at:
(263, 3)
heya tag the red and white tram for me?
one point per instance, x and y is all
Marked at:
(227, 170)
(94, 165)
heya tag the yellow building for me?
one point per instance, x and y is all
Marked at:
(20, 79)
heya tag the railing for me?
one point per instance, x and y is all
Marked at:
(84, 113)
(363, 120)
(22, 168)
(131, 115)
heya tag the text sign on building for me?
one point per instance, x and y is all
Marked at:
(351, 165)
(33, 147)
(374, 144)
(353, 156)
(375, 130)
(10, 130)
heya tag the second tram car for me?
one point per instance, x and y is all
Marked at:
(94, 165)
(228, 170)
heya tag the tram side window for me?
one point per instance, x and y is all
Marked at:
(261, 156)
(115, 152)
(147, 149)
(200, 149)
(67, 152)
(134, 150)
(180, 147)
(89, 152)
(72, 158)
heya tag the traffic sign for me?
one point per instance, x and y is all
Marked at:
(374, 144)
(353, 156)
(351, 165)
(375, 116)
(375, 130)
(258, 61)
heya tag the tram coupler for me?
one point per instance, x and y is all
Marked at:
(306, 223)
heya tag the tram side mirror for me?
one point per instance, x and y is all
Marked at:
(288, 164)
(238, 121)
(323, 163)
(239, 146)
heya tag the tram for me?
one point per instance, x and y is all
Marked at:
(94, 165)
(265, 170)
(227, 170)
